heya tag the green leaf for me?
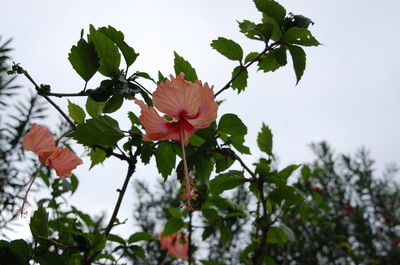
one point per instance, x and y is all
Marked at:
(113, 104)
(286, 172)
(138, 251)
(268, 62)
(165, 158)
(118, 38)
(228, 48)
(251, 57)
(238, 142)
(175, 212)
(196, 140)
(147, 152)
(206, 262)
(272, 9)
(21, 249)
(84, 60)
(300, 36)
(161, 78)
(299, 60)
(276, 28)
(226, 234)
(107, 51)
(145, 75)
(102, 130)
(232, 125)
(264, 140)
(183, 66)
(222, 162)
(105, 256)
(248, 28)
(97, 156)
(211, 214)
(172, 225)
(288, 232)
(240, 82)
(226, 181)
(76, 112)
(74, 183)
(116, 238)
(94, 108)
(45, 178)
(139, 236)
(276, 235)
(39, 222)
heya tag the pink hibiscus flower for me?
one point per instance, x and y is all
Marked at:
(174, 245)
(190, 105)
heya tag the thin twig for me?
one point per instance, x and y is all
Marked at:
(25, 73)
(80, 94)
(131, 169)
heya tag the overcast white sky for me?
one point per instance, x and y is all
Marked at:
(349, 95)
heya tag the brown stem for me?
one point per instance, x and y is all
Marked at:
(131, 169)
(190, 237)
(49, 100)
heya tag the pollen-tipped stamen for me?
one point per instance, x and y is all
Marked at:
(189, 191)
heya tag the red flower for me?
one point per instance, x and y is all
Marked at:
(317, 190)
(348, 210)
(175, 247)
(190, 105)
(395, 242)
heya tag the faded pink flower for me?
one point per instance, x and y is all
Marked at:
(190, 105)
(40, 141)
(174, 245)
(63, 161)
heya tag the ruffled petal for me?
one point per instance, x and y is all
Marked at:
(155, 126)
(174, 245)
(177, 97)
(63, 161)
(40, 141)
(207, 112)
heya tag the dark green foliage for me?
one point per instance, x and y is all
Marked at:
(183, 66)
(101, 131)
(107, 51)
(165, 158)
(272, 9)
(299, 60)
(228, 48)
(350, 214)
(264, 140)
(84, 60)
(240, 81)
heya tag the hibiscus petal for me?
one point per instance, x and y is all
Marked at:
(177, 97)
(174, 245)
(40, 141)
(63, 161)
(207, 112)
